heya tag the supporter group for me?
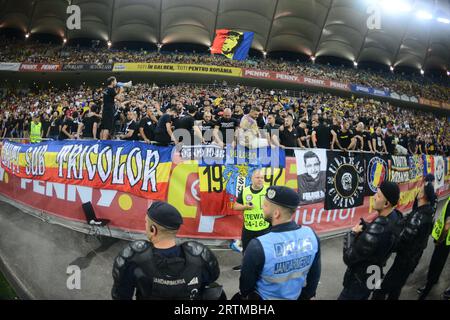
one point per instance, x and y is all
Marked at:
(301, 119)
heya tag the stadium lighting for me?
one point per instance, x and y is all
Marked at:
(391, 68)
(264, 53)
(313, 58)
(395, 6)
(421, 71)
(443, 20)
(109, 44)
(355, 63)
(421, 14)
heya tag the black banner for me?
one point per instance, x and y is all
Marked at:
(377, 170)
(88, 67)
(345, 181)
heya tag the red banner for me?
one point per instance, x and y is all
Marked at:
(39, 67)
(127, 211)
(282, 76)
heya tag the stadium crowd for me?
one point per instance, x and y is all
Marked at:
(150, 113)
(411, 85)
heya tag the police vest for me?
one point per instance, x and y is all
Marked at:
(35, 132)
(288, 258)
(176, 278)
(254, 219)
(439, 226)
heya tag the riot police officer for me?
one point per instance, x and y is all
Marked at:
(161, 269)
(371, 244)
(412, 242)
(284, 263)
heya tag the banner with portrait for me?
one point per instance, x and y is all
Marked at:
(311, 175)
(415, 167)
(439, 172)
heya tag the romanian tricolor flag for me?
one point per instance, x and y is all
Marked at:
(428, 164)
(376, 172)
(127, 166)
(232, 44)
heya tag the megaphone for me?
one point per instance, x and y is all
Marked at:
(128, 84)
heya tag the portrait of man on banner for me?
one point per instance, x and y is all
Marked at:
(311, 173)
(231, 43)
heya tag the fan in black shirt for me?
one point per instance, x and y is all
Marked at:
(45, 125)
(163, 131)
(188, 124)
(359, 135)
(320, 134)
(378, 143)
(131, 128)
(289, 136)
(389, 142)
(345, 137)
(55, 126)
(303, 136)
(89, 125)
(109, 96)
(67, 126)
(147, 126)
(272, 131)
(207, 128)
(227, 127)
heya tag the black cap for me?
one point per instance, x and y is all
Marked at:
(283, 196)
(165, 215)
(391, 192)
(429, 177)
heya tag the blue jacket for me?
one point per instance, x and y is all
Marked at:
(257, 265)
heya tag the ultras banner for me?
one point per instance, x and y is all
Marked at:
(127, 210)
(132, 167)
(345, 181)
(224, 173)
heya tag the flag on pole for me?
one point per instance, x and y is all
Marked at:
(232, 44)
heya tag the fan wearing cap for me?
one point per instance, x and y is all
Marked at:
(371, 244)
(412, 242)
(284, 263)
(159, 268)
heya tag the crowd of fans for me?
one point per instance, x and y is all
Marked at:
(418, 86)
(152, 114)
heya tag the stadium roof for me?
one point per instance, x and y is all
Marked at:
(312, 27)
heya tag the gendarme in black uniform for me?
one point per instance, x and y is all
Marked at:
(180, 272)
(372, 246)
(412, 242)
